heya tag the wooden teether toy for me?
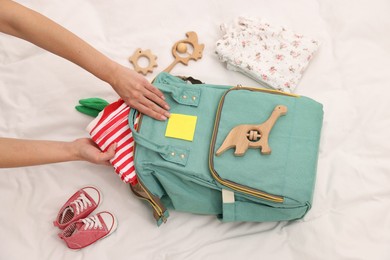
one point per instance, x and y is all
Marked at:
(243, 137)
(180, 50)
(147, 54)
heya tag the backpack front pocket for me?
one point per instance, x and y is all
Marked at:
(250, 142)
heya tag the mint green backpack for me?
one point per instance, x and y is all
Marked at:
(242, 154)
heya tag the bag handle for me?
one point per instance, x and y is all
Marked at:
(188, 95)
(174, 154)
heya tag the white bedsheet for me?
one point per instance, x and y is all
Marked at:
(349, 75)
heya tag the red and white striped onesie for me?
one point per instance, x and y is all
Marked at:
(111, 126)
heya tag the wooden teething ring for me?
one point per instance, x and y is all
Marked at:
(147, 54)
(181, 47)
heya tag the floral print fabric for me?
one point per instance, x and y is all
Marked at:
(269, 54)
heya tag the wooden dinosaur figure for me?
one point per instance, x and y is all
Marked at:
(243, 137)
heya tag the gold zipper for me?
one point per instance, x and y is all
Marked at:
(149, 197)
(235, 186)
(271, 91)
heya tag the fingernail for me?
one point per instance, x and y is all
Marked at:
(163, 97)
(163, 117)
(167, 107)
(167, 114)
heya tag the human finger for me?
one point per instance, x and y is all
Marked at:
(110, 153)
(154, 94)
(156, 113)
(154, 90)
(151, 103)
(104, 157)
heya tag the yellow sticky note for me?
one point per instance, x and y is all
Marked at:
(181, 126)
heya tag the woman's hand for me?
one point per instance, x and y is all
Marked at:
(138, 93)
(86, 150)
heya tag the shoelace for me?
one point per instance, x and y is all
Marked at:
(92, 222)
(81, 203)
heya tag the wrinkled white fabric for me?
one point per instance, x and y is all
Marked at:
(270, 54)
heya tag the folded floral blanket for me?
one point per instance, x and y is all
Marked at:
(269, 54)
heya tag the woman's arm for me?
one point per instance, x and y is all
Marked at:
(31, 26)
(17, 152)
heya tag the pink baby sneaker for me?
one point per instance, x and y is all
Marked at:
(79, 206)
(86, 231)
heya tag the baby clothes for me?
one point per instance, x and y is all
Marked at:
(269, 54)
(111, 126)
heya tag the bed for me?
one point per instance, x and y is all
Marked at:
(349, 75)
